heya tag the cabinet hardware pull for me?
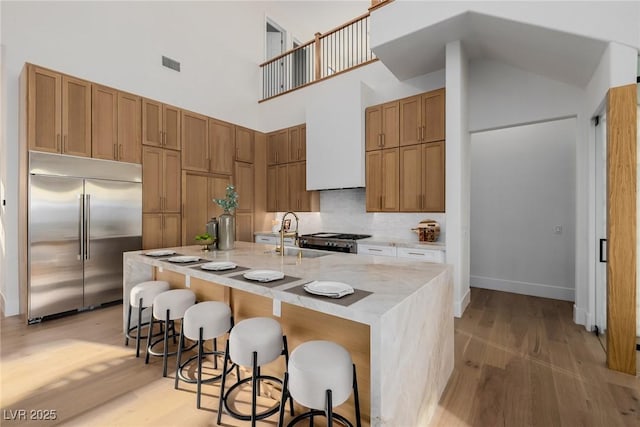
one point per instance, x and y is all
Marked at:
(375, 250)
(383, 140)
(416, 253)
(64, 144)
(379, 140)
(424, 130)
(120, 156)
(58, 143)
(182, 210)
(419, 133)
(160, 137)
(164, 138)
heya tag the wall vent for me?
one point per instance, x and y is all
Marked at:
(171, 63)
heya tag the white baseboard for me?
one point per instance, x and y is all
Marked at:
(582, 317)
(460, 306)
(525, 288)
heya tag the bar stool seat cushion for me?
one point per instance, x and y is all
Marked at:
(177, 301)
(318, 366)
(213, 317)
(260, 334)
(147, 291)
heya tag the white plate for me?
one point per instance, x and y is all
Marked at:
(264, 275)
(329, 289)
(183, 258)
(161, 252)
(218, 266)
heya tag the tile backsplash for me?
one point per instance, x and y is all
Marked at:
(345, 211)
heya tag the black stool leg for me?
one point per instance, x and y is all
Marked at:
(283, 398)
(215, 357)
(138, 328)
(254, 387)
(165, 350)
(173, 330)
(179, 358)
(149, 334)
(224, 377)
(356, 397)
(258, 375)
(126, 334)
(200, 351)
(329, 410)
(285, 351)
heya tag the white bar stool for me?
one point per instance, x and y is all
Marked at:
(320, 376)
(253, 342)
(204, 321)
(168, 307)
(141, 297)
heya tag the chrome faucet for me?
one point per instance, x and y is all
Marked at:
(283, 234)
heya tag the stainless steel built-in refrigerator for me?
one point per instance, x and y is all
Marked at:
(83, 214)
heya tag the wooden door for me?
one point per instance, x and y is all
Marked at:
(282, 191)
(76, 117)
(171, 181)
(221, 143)
(152, 231)
(170, 230)
(129, 128)
(243, 181)
(104, 118)
(373, 180)
(433, 115)
(152, 123)
(217, 189)
(152, 180)
(195, 146)
(44, 106)
(244, 144)
(303, 143)
(373, 128)
(410, 120)
(244, 227)
(433, 175)
(278, 147)
(390, 179)
(171, 122)
(391, 124)
(196, 201)
(272, 188)
(411, 160)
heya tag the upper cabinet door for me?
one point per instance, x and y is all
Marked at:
(410, 120)
(390, 124)
(76, 117)
(374, 180)
(44, 105)
(411, 160)
(433, 116)
(152, 123)
(243, 179)
(373, 124)
(244, 144)
(152, 179)
(297, 143)
(221, 136)
(278, 147)
(104, 141)
(171, 180)
(171, 135)
(195, 144)
(303, 143)
(129, 128)
(390, 179)
(433, 173)
(272, 148)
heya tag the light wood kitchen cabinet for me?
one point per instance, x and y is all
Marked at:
(129, 128)
(422, 118)
(244, 227)
(195, 142)
(422, 178)
(244, 144)
(382, 126)
(160, 125)
(301, 200)
(278, 188)
(59, 113)
(382, 180)
(104, 141)
(160, 180)
(198, 192)
(278, 147)
(160, 230)
(221, 147)
(298, 143)
(243, 181)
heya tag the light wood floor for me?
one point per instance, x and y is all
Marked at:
(520, 361)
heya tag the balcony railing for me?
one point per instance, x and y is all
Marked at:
(334, 52)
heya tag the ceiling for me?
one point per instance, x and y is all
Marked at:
(557, 55)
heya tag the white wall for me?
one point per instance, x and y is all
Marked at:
(522, 186)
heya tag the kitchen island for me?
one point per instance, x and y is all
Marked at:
(400, 333)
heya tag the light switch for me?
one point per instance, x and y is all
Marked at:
(557, 229)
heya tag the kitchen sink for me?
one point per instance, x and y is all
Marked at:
(303, 253)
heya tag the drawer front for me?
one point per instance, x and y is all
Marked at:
(376, 250)
(270, 240)
(423, 254)
(288, 241)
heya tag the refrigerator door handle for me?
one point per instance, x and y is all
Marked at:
(80, 226)
(87, 225)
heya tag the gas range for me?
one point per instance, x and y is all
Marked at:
(335, 242)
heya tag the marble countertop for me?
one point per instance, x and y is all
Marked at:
(391, 280)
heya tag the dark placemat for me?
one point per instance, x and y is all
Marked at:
(273, 284)
(162, 257)
(221, 272)
(345, 301)
(186, 264)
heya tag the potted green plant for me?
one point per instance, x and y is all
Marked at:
(226, 221)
